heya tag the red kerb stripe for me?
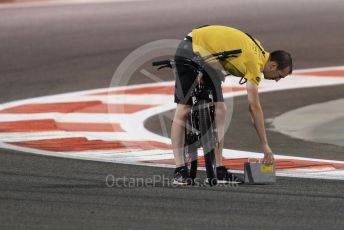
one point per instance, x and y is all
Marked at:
(285, 164)
(76, 107)
(83, 144)
(324, 73)
(145, 90)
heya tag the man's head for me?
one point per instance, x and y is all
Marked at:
(279, 65)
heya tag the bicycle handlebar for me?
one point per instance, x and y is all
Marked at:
(165, 62)
(226, 54)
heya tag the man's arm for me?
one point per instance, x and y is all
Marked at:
(257, 117)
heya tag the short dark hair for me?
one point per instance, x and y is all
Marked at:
(283, 59)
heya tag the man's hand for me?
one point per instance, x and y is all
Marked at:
(268, 155)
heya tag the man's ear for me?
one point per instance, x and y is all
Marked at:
(273, 65)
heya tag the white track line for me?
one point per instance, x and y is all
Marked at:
(104, 136)
(67, 117)
(114, 99)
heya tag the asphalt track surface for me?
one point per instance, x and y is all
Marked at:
(57, 49)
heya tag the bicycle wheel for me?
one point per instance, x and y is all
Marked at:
(208, 141)
(190, 147)
(191, 160)
(193, 169)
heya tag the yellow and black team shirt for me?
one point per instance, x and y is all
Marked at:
(214, 39)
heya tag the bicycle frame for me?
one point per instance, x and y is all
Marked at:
(192, 129)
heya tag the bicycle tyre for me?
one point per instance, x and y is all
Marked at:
(193, 164)
(190, 151)
(208, 141)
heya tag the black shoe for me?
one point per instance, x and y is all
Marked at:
(225, 177)
(181, 176)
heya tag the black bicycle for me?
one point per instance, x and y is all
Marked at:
(200, 129)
